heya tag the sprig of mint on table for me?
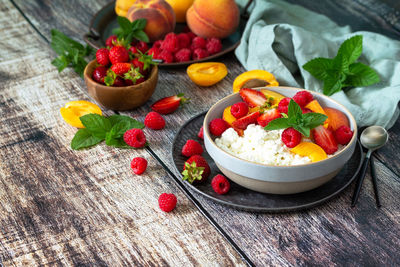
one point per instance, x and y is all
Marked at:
(296, 119)
(99, 128)
(343, 70)
(127, 30)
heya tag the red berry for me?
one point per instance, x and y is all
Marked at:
(99, 73)
(291, 137)
(135, 138)
(192, 167)
(183, 55)
(138, 64)
(138, 165)
(121, 68)
(169, 104)
(102, 56)
(119, 82)
(133, 50)
(155, 52)
(118, 54)
(167, 202)
(128, 82)
(201, 133)
(343, 135)
(198, 42)
(283, 105)
(239, 109)
(183, 40)
(191, 148)
(154, 121)
(142, 46)
(111, 41)
(158, 43)
(218, 126)
(303, 98)
(325, 139)
(166, 56)
(213, 45)
(191, 35)
(305, 110)
(140, 80)
(186, 29)
(199, 53)
(220, 184)
(170, 42)
(245, 121)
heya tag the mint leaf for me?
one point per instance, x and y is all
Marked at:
(351, 49)
(361, 75)
(115, 142)
(128, 30)
(280, 123)
(318, 67)
(313, 120)
(83, 139)
(302, 129)
(141, 36)
(340, 64)
(119, 129)
(60, 62)
(139, 24)
(331, 86)
(293, 109)
(96, 124)
(114, 119)
(124, 23)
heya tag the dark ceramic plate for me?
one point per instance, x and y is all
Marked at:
(105, 20)
(242, 198)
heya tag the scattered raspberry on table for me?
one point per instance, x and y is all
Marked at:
(167, 202)
(135, 138)
(139, 165)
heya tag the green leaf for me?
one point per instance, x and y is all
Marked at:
(313, 120)
(141, 36)
(96, 124)
(139, 24)
(303, 130)
(114, 119)
(293, 109)
(118, 130)
(60, 62)
(280, 123)
(115, 142)
(125, 24)
(60, 42)
(340, 64)
(318, 67)
(83, 139)
(331, 86)
(351, 49)
(118, 32)
(362, 75)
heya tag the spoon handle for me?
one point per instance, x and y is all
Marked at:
(374, 183)
(360, 181)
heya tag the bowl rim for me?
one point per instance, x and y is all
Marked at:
(347, 147)
(153, 72)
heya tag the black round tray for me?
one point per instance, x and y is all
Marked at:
(105, 20)
(242, 198)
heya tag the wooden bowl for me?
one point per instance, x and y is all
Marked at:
(120, 98)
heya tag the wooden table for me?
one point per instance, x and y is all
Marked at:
(63, 207)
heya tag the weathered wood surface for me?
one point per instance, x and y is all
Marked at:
(331, 234)
(62, 207)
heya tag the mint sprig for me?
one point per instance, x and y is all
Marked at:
(343, 71)
(99, 128)
(128, 31)
(296, 119)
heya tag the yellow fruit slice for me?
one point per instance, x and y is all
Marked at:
(274, 96)
(180, 7)
(251, 110)
(207, 73)
(254, 78)
(227, 116)
(122, 7)
(73, 110)
(311, 150)
(314, 106)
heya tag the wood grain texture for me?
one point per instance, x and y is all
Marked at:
(333, 234)
(86, 208)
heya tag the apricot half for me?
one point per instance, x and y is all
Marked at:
(254, 78)
(207, 73)
(311, 150)
(73, 110)
(227, 116)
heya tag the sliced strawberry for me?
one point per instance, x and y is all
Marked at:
(325, 139)
(267, 116)
(252, 97)
(168, 104)
(240, 132)
(246, 120)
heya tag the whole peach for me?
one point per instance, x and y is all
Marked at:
(159, 14)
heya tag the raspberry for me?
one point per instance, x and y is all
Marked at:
(239, 110)
(157, 44)
(220, 184)
(170, 42)
(118, 54)
(166, 56)
(201, 133)
(198, 42)
(184, 40)
(167, 202)
(111, 41)
(191, 148)
(133, 50)
(303, 98)
(118, 82)
(291, 137)
(343, 135)
(138, 165)
(284, 105)
(218, 126)
(99, 73)
(155, 52)
(142, 46)
(196, 169)
(154, 121)
(102, 56)
(135, 138)
(191, 35)
(305, 110)
(213, 45)
(199, 53)
(183, 55)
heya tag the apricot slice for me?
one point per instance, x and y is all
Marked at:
(336, 118)
(314, 106)
(311, 150)
(73, 110)
(254, 78)
(227, 116)
(274, 97)
(207, 73)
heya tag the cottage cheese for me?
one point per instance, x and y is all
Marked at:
(258, 145)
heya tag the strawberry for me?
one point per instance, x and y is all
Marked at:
(99, 74)
(252, 97)
(196, 169)
(118, 54)
(142, 47)
(267, 116)
(243, 122)
(121, 68)
(169, 104)
(102, 56)
(111, 41)
(138, 64)
(325, 139)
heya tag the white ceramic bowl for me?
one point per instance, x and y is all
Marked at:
(277, 179)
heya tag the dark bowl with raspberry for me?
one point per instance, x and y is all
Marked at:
(274, 178)
(120, 96)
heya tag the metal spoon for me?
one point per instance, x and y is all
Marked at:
(372, 138)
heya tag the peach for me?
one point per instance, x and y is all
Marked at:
(213, 18)
(336, 118)
(159, 14)
(180, 7)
